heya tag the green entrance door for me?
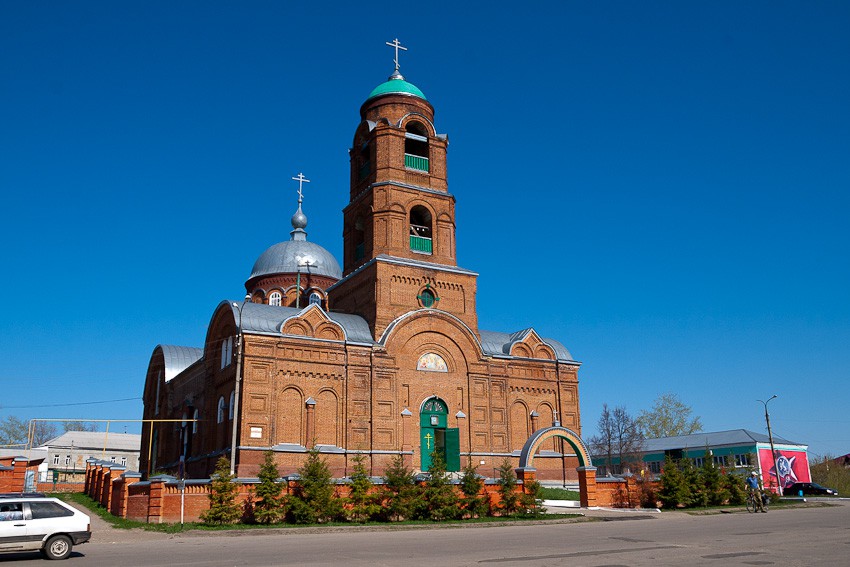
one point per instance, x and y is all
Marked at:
(436, 437)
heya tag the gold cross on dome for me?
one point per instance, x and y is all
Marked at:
(301, 181)
(395, 43)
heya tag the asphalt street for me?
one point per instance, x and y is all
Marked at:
(785, 537)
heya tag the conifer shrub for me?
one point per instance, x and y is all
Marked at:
(531, 499)
(223, 507)
(510, 501)
(400, 493)
(675, 490)
(735, 488)
(269, 505)
(364, 504)
(474, 503)
(440, 499)
(313, 500)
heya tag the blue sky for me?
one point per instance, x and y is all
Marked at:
(662, 186)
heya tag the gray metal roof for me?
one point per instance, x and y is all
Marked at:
(499, 344)
(291, 256)
(178, 358)
(96, 440)
(712, 439)
(268, 320)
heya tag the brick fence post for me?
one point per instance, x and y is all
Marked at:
(587, 486)
(114, 477)
(156, 501)
(127, 479)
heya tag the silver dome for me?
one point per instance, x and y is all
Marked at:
(296, 256)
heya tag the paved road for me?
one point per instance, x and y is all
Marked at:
(789, 537)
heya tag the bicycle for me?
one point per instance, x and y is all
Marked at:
(751, 502)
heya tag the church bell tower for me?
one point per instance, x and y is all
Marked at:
(399, 251)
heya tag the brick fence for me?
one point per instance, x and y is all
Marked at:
(159, 500)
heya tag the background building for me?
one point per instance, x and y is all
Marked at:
(66, 455)
(733, 449)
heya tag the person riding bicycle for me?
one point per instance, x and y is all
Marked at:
(755, 491)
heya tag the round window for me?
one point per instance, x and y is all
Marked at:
(427, 298)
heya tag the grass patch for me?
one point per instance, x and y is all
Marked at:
(85, 501)
(559, 494)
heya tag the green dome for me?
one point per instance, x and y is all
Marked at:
(396, 86)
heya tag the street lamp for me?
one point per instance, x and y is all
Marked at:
(772, 450)
(239, 336)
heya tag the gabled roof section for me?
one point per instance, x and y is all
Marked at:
(499, 344)
(263, 319)
(712, 439)
(179, 358)
(96, 440)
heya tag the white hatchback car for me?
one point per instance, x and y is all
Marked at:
(33, 522)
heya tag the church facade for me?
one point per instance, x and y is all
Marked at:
(380, 356)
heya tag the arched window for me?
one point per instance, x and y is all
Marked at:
(274, 298)
(232, 405)
(315, 299)
(416, 147)
(420, 230)
(220, 415)
(195, 423)
(226, 351)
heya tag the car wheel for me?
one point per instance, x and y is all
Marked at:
(58, 547)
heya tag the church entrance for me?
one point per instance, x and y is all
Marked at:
(436, 437)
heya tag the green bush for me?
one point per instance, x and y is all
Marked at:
(474, 503)
(441, 500)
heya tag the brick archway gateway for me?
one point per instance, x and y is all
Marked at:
(586, 470)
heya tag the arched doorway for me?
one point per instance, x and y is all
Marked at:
(436, 436)
(586, 470)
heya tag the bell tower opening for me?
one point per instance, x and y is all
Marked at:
(420, 230)
(416, 147)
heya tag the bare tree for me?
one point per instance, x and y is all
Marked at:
(619, 436)
(79, 426)
(15, 431)
(668, 417)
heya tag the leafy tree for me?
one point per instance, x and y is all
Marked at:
(440, 498)
(313, 500)
(365, 505)
(269, 505)
(619, 436)
(473, 502)
(15, 431)
(223, 507)
(400, 490)
(510, 501)
(674, 490)
(668, 417)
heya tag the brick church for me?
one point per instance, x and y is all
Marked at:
(381, 357)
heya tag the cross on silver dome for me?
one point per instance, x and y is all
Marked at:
(301, 181)
(395, 43)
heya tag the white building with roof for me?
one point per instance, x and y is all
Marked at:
(66, 455)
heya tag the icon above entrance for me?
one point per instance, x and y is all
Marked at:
(436, 437)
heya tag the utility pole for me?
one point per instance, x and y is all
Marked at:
(772, 450)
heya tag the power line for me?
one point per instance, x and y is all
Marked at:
(73, 404)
